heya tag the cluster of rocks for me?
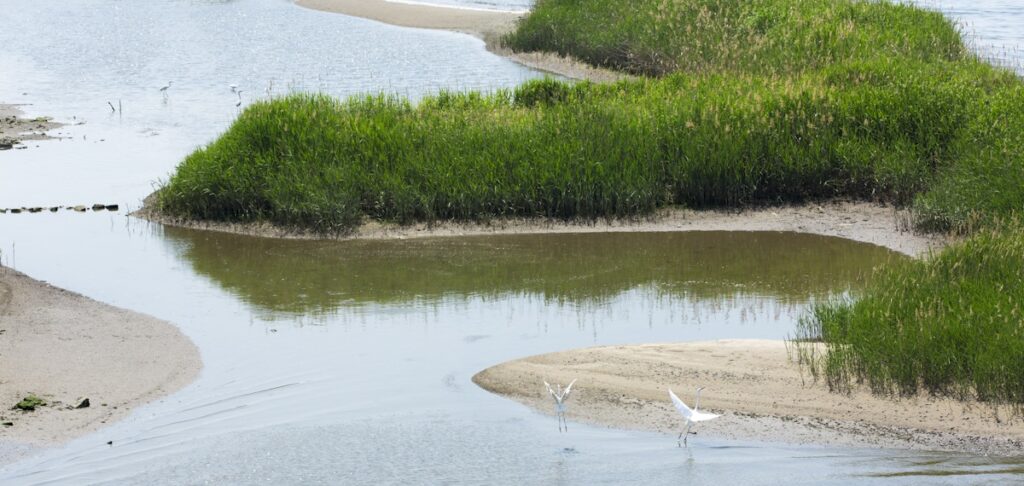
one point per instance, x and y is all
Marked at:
(53, 209)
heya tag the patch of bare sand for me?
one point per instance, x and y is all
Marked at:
(759, 391)
(858, 221)
(14, 130)
(64, 347)
(488, 25)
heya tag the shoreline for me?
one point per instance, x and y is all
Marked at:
(858, 221)
(15, 130)
(759, 391)
(64, 347)
(487, 25)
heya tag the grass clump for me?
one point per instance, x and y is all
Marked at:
(769, 37)
(30, 403)
(558, 150)
(950, 325)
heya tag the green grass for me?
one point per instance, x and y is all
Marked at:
(549, 149)
(741, 102)
(952, 325)
(770, 37)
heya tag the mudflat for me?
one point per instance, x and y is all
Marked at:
(859, 221)
(65, 348)
(761, 392)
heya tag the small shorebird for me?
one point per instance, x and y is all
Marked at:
(560, 397)
(692, 416)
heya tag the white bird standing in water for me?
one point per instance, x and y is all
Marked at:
(691, 415)
(165, 88)
(234, 87)
(560, 397)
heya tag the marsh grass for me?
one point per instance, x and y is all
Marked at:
(951, 325)
(557, 150)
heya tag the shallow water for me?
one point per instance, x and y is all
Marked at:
(351, 361)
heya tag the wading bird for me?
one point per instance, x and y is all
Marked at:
(234, 87)
(560, 397)
(165, 88)
(691, 415)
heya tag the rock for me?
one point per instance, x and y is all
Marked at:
(80, 208)
(111, 207)
(15, 210)
(98, 207)
(83, 404)
(8, 424)
(35, 210)
(54, 209)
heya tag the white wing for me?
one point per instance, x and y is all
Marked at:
(702, 416)
(683, 409)
(550, 391)
(565, 394)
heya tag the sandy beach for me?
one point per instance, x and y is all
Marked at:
(64, 348)
(488, 25)
(859, 221)
(15, 130)
(761, 394)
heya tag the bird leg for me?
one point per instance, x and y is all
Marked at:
(686, 433)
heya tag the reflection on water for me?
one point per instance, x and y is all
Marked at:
(303, 277)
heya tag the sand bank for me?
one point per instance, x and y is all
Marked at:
(64, 347)
(488, 25)
(858, 221)
(15, 130)
(759, 391)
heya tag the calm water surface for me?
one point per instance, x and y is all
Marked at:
(331, 362)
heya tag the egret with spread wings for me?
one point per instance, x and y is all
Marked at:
(560, 397)
(692, 416)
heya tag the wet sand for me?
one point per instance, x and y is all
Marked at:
(759, 391)
(486, 24)
(15, 130)
(859, 221)
(64, 347)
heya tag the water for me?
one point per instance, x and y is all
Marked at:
(351, 362)
(992, 27)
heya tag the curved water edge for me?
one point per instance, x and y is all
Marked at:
(296, 394)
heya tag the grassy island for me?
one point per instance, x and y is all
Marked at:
(738, 103)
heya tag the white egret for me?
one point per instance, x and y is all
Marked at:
(560, 397)
(234, 87)
(692, 416)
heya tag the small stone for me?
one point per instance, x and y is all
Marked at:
(80, 208)
(15, 211)
(54, 209)
(83, 404)
(111, 207)
(98, 207)
(8, 424)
